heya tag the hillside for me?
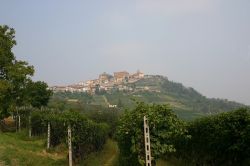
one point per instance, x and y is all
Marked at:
(186, 102)
(181, 97)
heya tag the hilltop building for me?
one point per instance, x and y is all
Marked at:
(105, 78)
(137, 75)
(121, 76)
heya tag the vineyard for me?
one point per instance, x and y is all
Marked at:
(221, 139)
(86, 136)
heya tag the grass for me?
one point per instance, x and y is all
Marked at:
(17, 149)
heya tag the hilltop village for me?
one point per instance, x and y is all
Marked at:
(106, 82)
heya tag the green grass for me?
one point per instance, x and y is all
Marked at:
(17, 149)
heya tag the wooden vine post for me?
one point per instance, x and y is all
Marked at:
(70, 145)
(48, 138)
(16, 121)
(29, 126)
(19, 123)
(147, 142)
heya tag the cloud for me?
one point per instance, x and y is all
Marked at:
(173, 7)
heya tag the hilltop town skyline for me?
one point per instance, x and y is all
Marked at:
(105, 82)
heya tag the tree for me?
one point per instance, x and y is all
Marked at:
(38, 94)
(14, 74)
(164, 126)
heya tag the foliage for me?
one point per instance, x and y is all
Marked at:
(38, 93)
(222, 139)
(87, 136)
(97, 113)
(14, 74)
(105, 115)
(16, 86)
(164, 126)
(38, 123)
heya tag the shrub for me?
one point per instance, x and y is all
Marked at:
(222, 139)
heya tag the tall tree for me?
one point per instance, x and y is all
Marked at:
(14, 74)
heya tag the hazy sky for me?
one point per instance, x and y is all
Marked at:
(204, 44)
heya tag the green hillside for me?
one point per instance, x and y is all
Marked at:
(183, 98)
(186, 102)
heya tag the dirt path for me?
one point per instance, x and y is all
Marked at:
(113, 150)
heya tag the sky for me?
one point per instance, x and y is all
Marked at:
(204, 44)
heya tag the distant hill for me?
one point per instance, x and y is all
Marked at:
(186, 102)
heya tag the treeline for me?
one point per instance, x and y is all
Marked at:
(222, 139)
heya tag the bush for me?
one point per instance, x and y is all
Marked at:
(222, 139)
(164, 126)
(87, 136)
(38, 123)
